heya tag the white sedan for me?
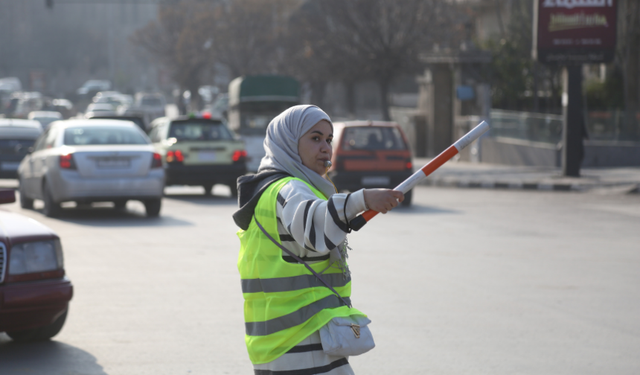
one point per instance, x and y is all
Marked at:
(90, 161)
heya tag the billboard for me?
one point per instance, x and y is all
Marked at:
(574, 31)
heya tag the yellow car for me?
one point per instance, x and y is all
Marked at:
(198, 151)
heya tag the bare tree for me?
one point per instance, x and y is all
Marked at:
(374, 39)
(312, 55)
(180, 40)
(247, 35)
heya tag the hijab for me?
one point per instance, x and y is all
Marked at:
(281, 145)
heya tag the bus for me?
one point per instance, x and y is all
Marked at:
(253, 102)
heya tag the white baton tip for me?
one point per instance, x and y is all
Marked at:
(471, 136)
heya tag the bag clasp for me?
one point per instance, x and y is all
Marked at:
(356, 330)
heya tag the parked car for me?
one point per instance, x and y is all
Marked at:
(90, 161)
(17, 136)
(33, 284)
(115, 98)
(151, 105)
(370, 154)
(26, 102)
(10, 84)
(199, 151)
(99, 108)
(92, 86)
(45, 117)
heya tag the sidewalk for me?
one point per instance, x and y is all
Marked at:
(479, 175)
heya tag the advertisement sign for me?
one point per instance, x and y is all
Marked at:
(574, 31)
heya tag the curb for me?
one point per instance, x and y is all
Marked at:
(629, 188)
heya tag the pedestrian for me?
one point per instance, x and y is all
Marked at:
(285, 306)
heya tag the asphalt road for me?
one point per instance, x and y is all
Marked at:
(464, 282)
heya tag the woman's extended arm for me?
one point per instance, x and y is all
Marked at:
(318, 225)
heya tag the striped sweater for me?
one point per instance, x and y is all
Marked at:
(310, 227)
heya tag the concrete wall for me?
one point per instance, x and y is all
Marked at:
(607, 154)
(518, 152)
(510, 151)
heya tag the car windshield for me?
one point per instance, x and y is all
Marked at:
(103, 136)
(372, 138)
(155, 102)
(199, 131)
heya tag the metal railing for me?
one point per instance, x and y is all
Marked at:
(611, 126)
(534, 127)
(547, 128)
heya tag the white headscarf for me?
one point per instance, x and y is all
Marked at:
(281, 144)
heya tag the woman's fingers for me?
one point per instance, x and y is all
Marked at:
(382, 200)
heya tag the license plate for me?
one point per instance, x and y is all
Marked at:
(206, 155)
(10, 166)
(113, 163)
(375, 181)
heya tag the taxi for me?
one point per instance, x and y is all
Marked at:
(199, 151)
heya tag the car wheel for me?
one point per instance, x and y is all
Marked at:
(120, 204)
(41, 333)
(207, 189)
(407, 198)
(152, 207)
(24, 201)
(51, 208)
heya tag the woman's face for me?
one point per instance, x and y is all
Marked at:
(314, 147)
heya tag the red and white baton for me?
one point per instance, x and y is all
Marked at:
(408, 184)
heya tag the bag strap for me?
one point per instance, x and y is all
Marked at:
(297, 258)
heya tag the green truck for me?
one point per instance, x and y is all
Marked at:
(253, 102)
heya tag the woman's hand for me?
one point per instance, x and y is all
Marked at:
(382, 200)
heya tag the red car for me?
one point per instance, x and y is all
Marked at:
(34, 290)
(370, 154)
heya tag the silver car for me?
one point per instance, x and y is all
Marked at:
(92, 161)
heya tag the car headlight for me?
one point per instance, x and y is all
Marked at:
(30, 257)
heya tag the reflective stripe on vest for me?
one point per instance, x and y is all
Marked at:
(287, 284)
(284, 302)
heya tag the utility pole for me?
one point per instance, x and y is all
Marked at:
(573, 123)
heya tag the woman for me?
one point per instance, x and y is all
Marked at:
(285, 305)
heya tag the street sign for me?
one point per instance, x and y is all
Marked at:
(574, 31)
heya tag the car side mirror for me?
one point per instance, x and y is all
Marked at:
(7, 196)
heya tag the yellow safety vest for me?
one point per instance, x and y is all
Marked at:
(284, 302)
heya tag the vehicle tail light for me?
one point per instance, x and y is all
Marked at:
(156, 160)
(409, 164)
(175, 156)
(67, 162)
(239, 155)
